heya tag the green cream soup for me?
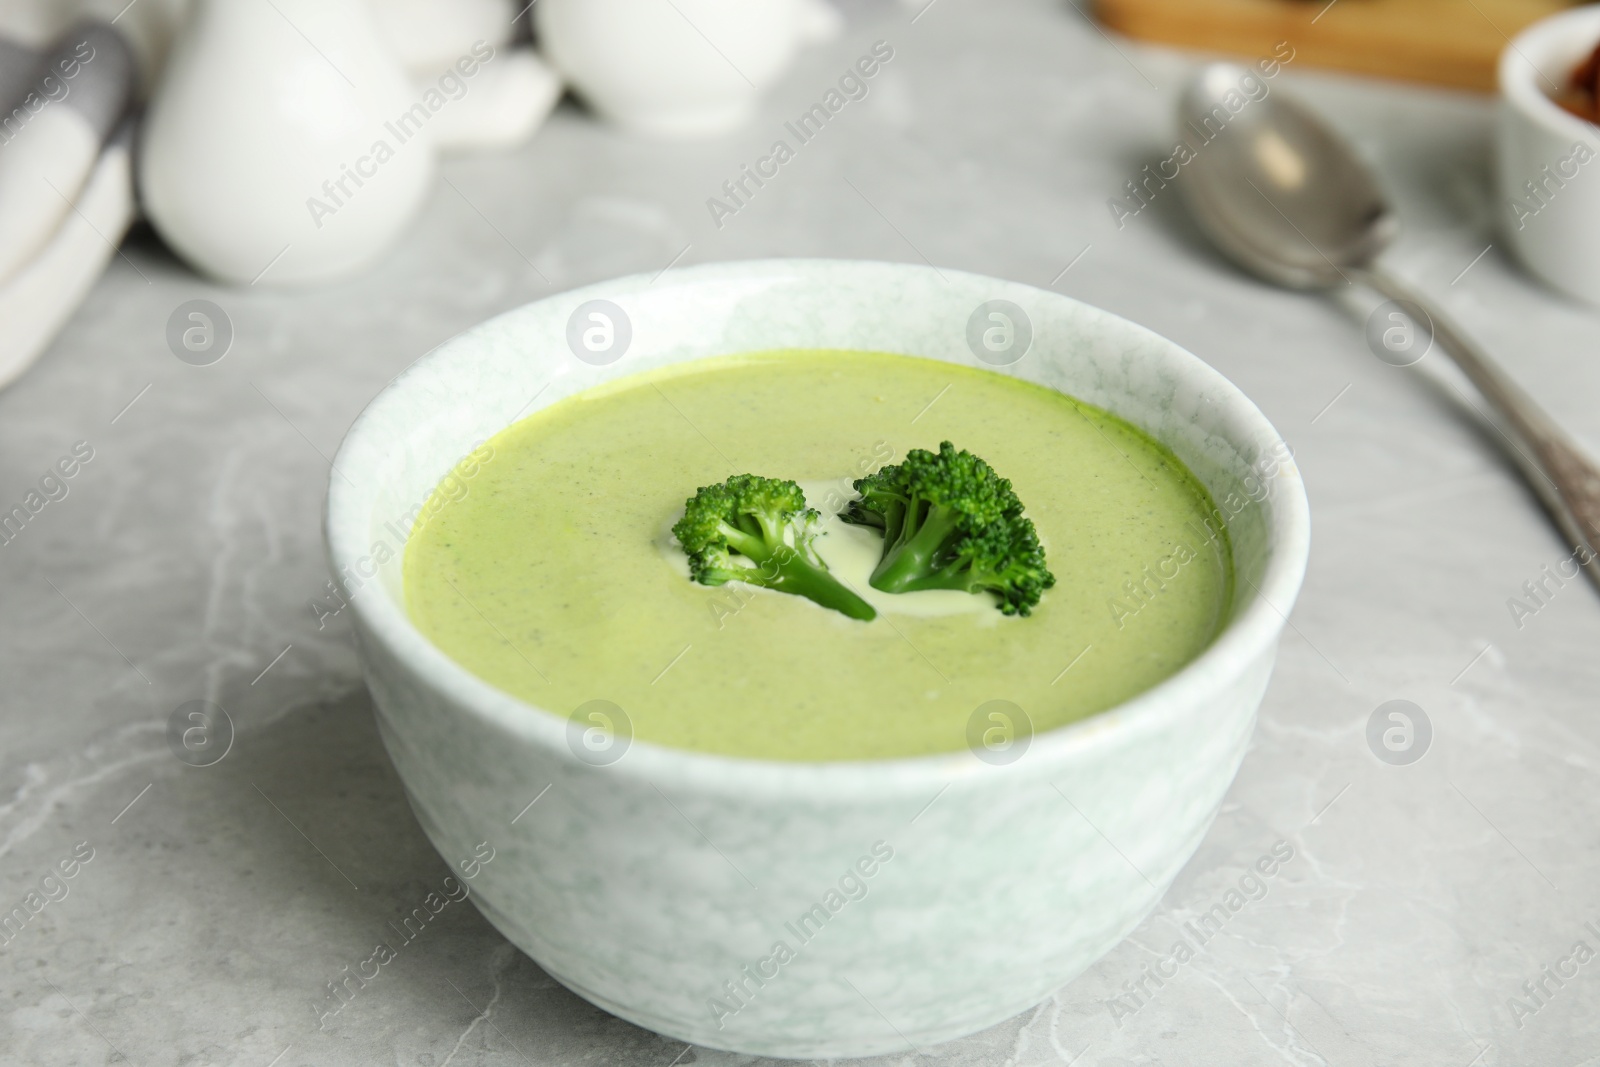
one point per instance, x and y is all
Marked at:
(554, 576)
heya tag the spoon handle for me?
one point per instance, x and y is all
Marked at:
(1565, 479)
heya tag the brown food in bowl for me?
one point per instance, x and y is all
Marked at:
(1582, 93)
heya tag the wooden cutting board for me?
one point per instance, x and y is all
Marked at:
(1444, 42)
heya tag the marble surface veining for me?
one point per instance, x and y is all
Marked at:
(184, 558)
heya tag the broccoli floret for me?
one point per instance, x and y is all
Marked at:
(950, 522)
(759, 530)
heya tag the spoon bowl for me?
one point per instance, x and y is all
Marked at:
(1276, 188)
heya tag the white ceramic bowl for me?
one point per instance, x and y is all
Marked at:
(648, 885)
(1548, 160)
(690, 68)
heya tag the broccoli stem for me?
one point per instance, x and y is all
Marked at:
(786, 570)
(911, 562)
(795, 575)
(955, 576)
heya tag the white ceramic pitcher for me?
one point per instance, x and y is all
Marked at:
(284, 143)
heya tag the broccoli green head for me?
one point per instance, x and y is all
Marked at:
(950, 522)
(760, 531)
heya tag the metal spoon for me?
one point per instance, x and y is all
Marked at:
(1289, 200)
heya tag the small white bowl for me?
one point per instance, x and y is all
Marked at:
(1548, 159)
(635, 884)
(684, 69)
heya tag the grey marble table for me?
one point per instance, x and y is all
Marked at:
(218, 902)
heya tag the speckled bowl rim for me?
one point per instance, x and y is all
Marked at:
(1517, 71)
(1249, 636)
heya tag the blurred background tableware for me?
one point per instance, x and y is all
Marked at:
(427, 36)
(1291, 201)
(245, 130)
(266, 159)
(688, 68)
(289, 142)
(1547, 158)
(509, 97)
